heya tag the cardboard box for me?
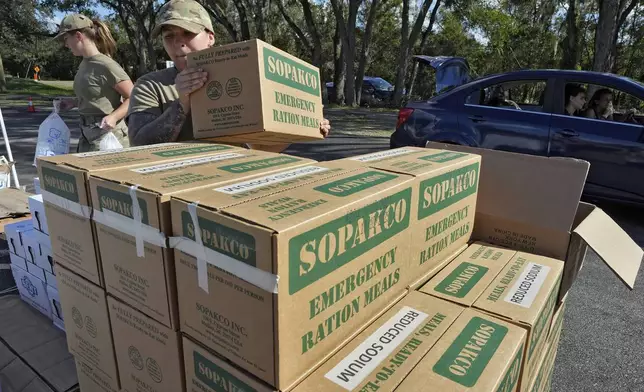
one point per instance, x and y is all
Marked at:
(443, 201)
(207, 372)
(51, 280)
(89, 337)
(32, 290)
(465, 278)
(43, 239)
(37, 209)
(45, 259)
(535, 207)
(67, 203)
(36, 271)
(525, 293)
(255, 93)
(14, 234)
(345, 235)
(149, 354)
(31, 246)
(17, 260)
(479, 353)
(384, 353)
(56, 307)
(144, 277)
(546, 365)
(91, 379)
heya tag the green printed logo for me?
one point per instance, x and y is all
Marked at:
(60, 184)
(354, 184)
(442, 191)
(442, 157)
(121, 203)
(459, 283)
(283, 70)
(259, 164)
(540, 325)
(222, 239)
(216, 377)
(191, 150)
(512, 375)
(465, 360)
(322, 250)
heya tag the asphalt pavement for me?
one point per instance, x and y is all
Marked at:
(602, 344)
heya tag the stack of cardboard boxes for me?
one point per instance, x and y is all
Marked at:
(206, 268)
(32, 262)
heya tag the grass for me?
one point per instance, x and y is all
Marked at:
(41, 92)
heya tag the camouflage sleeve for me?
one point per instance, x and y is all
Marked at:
(147, 124)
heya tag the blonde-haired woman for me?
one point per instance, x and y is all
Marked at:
(101, 86)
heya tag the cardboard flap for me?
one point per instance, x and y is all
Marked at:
(612, 244)
(542, 191)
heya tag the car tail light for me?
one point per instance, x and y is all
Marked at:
(403, 115)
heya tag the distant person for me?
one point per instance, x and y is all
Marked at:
(160, 106)
(101, 86)
(600, 105)
(575, 99)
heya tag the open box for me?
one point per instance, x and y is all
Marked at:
(531, 203)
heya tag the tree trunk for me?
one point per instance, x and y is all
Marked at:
(408, 40)
(260, 25)
(366, 43)
(142, 51)
(625, 9)
(403, 54)
(3, 80)
(243, 19)
(339, 76)
(423, 42)
(571, 42)
(350, 53)
(605, 35)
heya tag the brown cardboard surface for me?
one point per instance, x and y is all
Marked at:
(207, 372)
(465, 278)
(255, 93)
(478, 353)
(238, 192)
(535, 206)
(337, 270)
(444, 200)
(384, 353)
(147, 283)
(92, 379)
(148, 353)
(542, 378)
(64, 187)
(89, 337)
(525, 293)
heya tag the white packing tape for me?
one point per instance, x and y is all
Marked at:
(138, 224)
(200, 254)
(253, 275)
(127, 225)
(65, 204)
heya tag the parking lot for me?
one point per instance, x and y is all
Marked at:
(601, 347)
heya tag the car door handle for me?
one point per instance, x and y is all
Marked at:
(477, 118)
(568, 133)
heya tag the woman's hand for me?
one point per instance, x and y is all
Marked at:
(325, 127)
(108, 123)
(188, 81)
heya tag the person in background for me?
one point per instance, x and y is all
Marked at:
(599, 106)
(101, 86)
(159, 109)
(575, 99)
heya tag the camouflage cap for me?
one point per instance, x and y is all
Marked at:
(73, 22)
(187, 14)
